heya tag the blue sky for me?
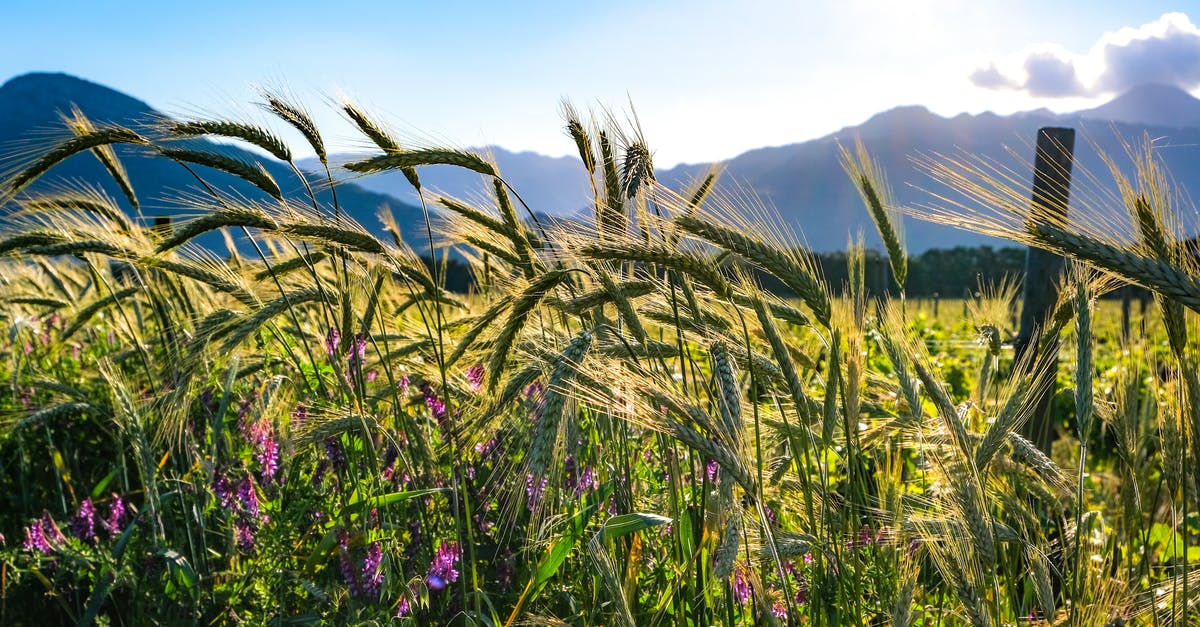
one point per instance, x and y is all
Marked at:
(708, 79)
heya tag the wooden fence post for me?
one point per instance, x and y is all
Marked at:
(1044, 270)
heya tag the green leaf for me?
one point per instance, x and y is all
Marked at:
(375, 502)
(103, 485)
(181, 571)
(626, 524)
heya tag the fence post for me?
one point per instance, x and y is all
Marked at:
(1044, 270)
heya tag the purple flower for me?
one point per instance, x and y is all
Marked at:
(372, 575)
(221, 490)
(333, 451)
(358, 352)
(441, 570)
(778, 610)
(486, 448)
(711, 470)
(403, 608)
(403, 384)
(266, 447)
(248, 499)
(436, 406)
(332, 339)
(741, 587)
(35, 538)
(475, 376)
(535, 490)
(83, 523)
(51, 530)
(244, 535)
(346, 565)
(299, 416)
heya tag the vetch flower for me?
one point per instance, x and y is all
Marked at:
(332, 339)
(441, 570)
(244, 535)
(35, 538)
(741, 587)
(83, 523)
(358, 352)
(372, 574)
(475, 377)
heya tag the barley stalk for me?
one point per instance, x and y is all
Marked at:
(794, 275)
(727, 387)
(690, 264)
(298, 119)
(868, 178)
(249, 133)
(545, 435)
(521, 307)
(414, 158)
(100, 136)
(1156, 274)
(229, 215)
(254, 174)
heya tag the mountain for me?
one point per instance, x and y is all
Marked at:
(805, 183)
(1151, 105)
(30, 108)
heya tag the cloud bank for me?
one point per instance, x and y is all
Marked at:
(1165, 51)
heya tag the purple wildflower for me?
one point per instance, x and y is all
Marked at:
(358, 352)
(83, 523)
(534, 390)
(346, 565)
(248, 498)
(244, 535)
(535, 490)
(436, 406)
(333, 451)
(332, 339)
(266, 447)
(403, 608)
(778, 610)
(51, 530)
(441, 570)
(485, 449)
(222, 491)
(741, 587)
(372, 375)
(711, 470)
(403, 384)
(35, 538)
(299, 416)
(372, 575)
(475, 376)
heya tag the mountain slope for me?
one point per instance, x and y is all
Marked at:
(1151, 105)
(30, 108)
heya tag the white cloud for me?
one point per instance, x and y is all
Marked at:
(1165, 51)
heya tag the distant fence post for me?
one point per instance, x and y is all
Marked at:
(1044, 270)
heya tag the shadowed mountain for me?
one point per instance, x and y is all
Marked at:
(1151, 105)
(30, 110)
(806, 184)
